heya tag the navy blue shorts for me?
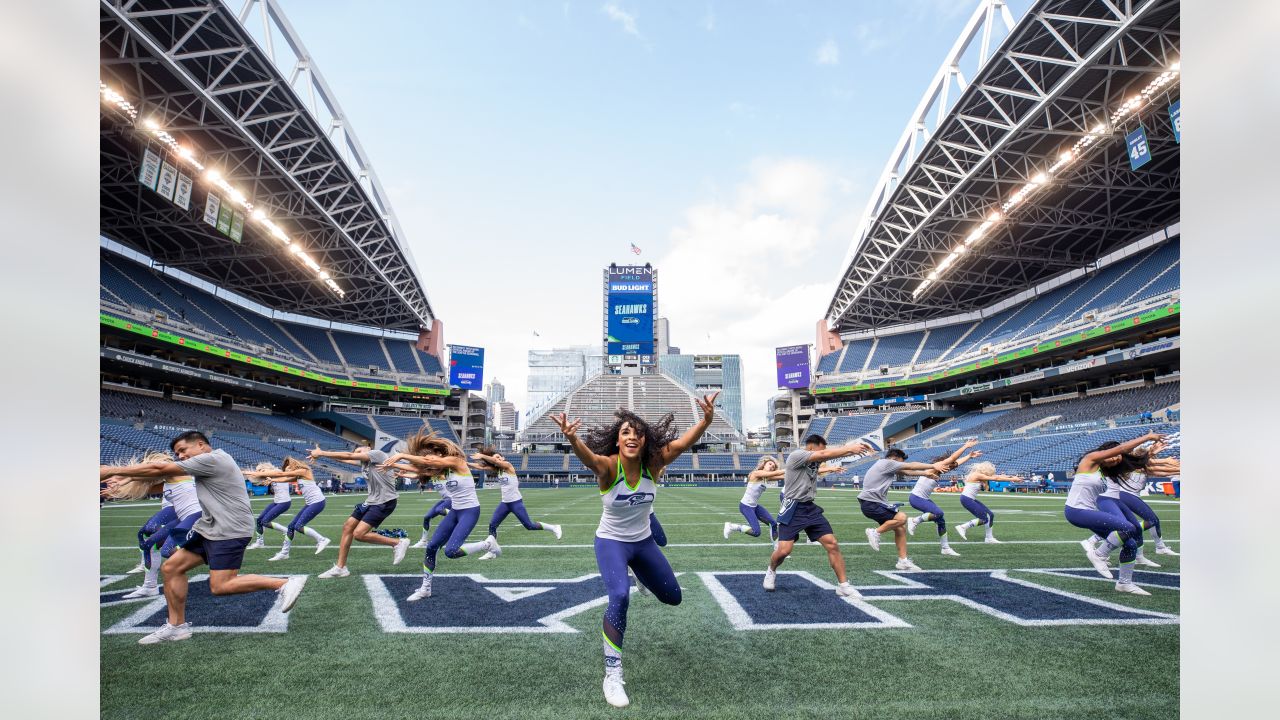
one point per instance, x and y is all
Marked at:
(806, 516)
(374, 514)
(218, 554)
(877, 511)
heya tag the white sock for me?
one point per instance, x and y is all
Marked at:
(924, 517)
(312, 534)
(548, 526)
(742, 528)
(277, 526)
(1159, 541)
(989, 533)
(149, 580)
(469, 548)
(968, 524)
(285, 547)
(942, 540)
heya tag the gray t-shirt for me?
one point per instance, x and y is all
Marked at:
(382, 483)
(875, 487)
(224, 500)
(800, 477)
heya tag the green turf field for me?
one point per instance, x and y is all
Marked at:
(688, 661)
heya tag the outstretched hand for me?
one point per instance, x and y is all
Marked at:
(708, 405)
(569, 428)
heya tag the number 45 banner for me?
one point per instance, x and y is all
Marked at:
(1139, 152)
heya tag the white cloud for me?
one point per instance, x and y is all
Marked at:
(749, 270)
(871, 36)
(709, 20)
(828, 53)
(624, 18)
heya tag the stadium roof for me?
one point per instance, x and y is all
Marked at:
(1060, 81)
(199, 74)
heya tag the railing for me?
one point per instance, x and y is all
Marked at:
(165, 322)
(1064, 328)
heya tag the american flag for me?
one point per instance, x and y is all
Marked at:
(635, 249)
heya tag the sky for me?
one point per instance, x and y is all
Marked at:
(526, 145)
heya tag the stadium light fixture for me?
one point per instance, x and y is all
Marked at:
(152, 126)
(1041, 178)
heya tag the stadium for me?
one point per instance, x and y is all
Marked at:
(1013, 288)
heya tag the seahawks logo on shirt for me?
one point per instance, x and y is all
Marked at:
(640, 498)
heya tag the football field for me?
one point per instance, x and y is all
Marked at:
(1023, 629)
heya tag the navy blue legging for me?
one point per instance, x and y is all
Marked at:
(304, 516)
(440, 508)
(451, 533)
(652, 570)
(1139, 507)
(925, 505)
(271, 512)
(176, 532)
(655, 527)
(756, 515)
(1116, 507)
(978, 510)
(153, 525)
(516, 508)
(1103, 523)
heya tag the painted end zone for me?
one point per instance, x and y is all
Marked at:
(256, 612)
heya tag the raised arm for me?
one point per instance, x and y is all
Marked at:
(599, 464)
(141, 470)
(428, 462)
(502, 464)
(1090, 462)
(954, 458)
(764, 475)
(278, 475)
(839, 451)
(828, 469)
(673, 449)
(939, 467)
(359, 455)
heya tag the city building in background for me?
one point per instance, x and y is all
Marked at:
(555, 371)
(708, 373)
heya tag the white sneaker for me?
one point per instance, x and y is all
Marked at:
(912, 524)
(728, 528)
(282, 555)
(423, 591)
(167, 633)
(1165, 550)
(992, 541)
(873, 539)
(141, 567)
(290, 592)
(961, 530)
(613, 692)
(906, 564)
(1099, 564)
(324, 543)
(140, 592)
(334, 572)
(493, 545)
(949, 551)
(399, 551)
(258, 543)
(488, 556)
(844, 589)
(1145, 562)
(770, 579)
(420, 544)
(555, 530)
(1131, 589)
